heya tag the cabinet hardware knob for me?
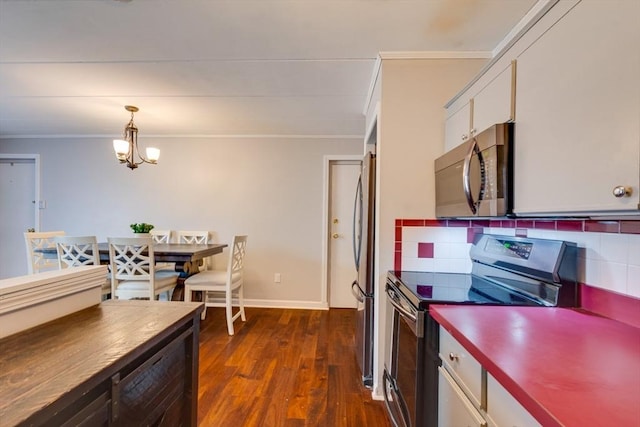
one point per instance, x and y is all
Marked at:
(622, 191)
(454, 357)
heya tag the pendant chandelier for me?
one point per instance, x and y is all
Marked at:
(127, 148)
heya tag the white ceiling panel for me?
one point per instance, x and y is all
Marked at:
(206, 78)
(218, 67)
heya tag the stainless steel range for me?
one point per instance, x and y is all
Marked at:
(506, 271)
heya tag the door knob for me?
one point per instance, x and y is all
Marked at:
(335, 235)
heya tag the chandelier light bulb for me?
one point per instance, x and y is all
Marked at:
(153, 154)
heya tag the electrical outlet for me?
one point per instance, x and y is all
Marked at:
(276, 278)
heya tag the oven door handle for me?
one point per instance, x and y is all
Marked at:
(388, 385)
(394, 299)
(466, 178)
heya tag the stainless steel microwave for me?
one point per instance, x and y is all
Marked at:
(475, 179)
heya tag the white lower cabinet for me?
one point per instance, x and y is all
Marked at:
(469, 396)
(460, 387)
(464, 368)
(503, 410)
(454, 407)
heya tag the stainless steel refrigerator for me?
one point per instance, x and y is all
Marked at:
(363, 253)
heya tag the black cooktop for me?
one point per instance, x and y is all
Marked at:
(425, 288)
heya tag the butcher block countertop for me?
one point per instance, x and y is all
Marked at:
(567, 367)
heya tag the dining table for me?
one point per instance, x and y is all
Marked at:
(187, 258)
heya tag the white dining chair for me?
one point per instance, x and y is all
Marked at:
(76, 251)
(133, 274)
(161, 236)
(200, 237)
(193, 237)
(227, 282)
(38, 261)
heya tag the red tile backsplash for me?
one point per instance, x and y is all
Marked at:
(425, 250)
(544, 224)
(413, 222)
(435, 222)
(570, 225)
(508, 223)
(600, 301)
(630, 227)
(398, 234)
(457, 223)
(471, 233)
(524, 223)
(602, 226)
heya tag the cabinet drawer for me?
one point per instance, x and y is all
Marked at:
(465, 369)
(95, 414)
(145, 394)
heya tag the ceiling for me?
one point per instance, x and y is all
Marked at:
(218, 67)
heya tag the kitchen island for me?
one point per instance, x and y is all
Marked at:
(114, 363)
(566, 367)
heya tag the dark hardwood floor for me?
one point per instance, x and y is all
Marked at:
(283, 368)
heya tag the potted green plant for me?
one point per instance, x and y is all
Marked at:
(141, 227)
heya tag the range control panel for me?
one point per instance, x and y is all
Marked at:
(541, 259)
(510, 248)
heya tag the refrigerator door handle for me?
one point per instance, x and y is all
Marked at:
(357, 217)
(357, 292)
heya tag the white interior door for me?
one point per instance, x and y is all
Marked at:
(343, 176)
(17, 210)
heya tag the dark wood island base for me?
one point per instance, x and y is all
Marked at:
(117, 363)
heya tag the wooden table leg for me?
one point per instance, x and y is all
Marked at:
(186, 269)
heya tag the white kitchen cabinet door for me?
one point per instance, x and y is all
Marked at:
(494, 103)
(454, 408)
(466, 370)
(503, 410)
(577, 134)
(457, 127)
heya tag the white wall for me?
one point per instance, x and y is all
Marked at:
(269, 188)
(411, 135)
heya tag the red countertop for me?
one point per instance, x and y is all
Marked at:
(566, 367)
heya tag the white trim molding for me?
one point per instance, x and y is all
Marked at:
(326, 163)
(36, 163)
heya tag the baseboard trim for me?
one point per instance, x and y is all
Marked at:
(269, 303)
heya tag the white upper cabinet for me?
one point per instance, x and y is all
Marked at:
(488, 101)
(457, 127)
(577, 136)
(495, 102)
